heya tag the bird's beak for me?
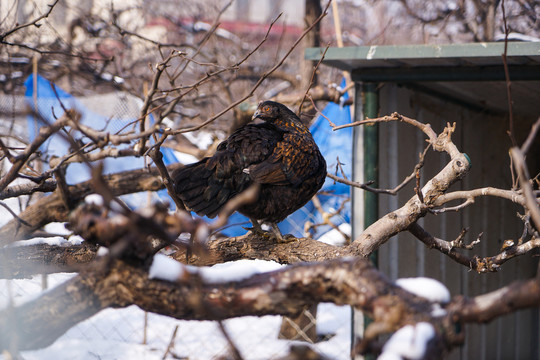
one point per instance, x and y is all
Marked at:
(255, 114)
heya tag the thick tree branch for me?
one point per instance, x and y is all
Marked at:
(531, 201)
(27, 189)
(402, 218)
(514, 196)
(486, 307)
(113, 283)
(25, 261)
(252, 246)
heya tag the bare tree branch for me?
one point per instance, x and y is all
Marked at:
(28, 189)
(121, 183)
(531, 200)
(486, 307)
(44, 134)
(259, 82)
(30, 23)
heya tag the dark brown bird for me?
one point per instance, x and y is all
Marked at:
(279, 154)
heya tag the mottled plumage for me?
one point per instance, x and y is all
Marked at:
(279, 154)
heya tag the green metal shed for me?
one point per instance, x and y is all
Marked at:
(436, 84)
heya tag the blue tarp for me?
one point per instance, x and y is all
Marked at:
(331, 143)
(48, 105)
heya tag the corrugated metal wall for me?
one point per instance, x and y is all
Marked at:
(483, 137)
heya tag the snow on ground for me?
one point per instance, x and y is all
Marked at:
(409, 342)
(334, 237)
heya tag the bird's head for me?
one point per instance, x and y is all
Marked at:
(270, 111)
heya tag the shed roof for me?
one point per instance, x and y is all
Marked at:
(470, 73)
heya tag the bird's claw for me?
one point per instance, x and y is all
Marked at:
(285, 239)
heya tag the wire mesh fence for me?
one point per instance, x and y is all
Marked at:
(132, 333)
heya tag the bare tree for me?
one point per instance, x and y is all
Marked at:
(187, 76)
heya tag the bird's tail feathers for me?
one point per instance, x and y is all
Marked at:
(200, 189)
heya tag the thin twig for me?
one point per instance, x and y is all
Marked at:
(245, 197)
(43, 135)
(259, 82)
(393, 191)
(340, 168)
(467, 202)
(507, 79)
(19, 220)
(320, 112)
(531, 200)
(350, 183)
(326, 216)
(208, 76)
(6, 153)
(30, 23)
(232, 347)
(418, 188)
(171, 342)
(207, 36)
(530, 138)
(148, 99)
(157, 157)
(311, 81)
(481, 265)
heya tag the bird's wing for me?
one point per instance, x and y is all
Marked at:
(291, 162)
(247, 146)
(269, 171)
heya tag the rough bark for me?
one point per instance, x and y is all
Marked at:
(265, 247)
(24, 261)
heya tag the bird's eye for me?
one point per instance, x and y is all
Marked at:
(266, 108)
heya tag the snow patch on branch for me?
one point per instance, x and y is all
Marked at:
(59, 236)
(427, 288)
(236, 270)
(49, 240)
(166, 268)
